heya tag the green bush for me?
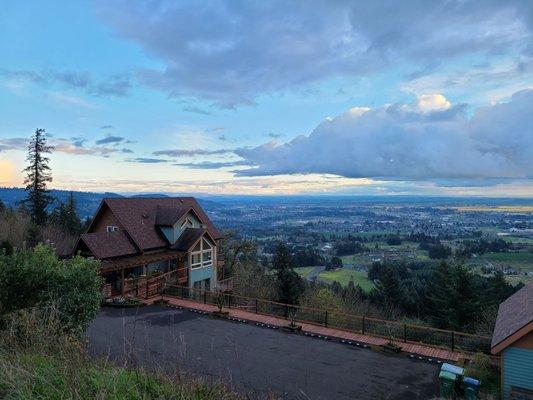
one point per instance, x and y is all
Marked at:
(37, 278)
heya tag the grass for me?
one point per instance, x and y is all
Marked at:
(40, 364)
(303, 271)
(344, 276)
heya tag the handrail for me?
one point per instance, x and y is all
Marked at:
(336, 313)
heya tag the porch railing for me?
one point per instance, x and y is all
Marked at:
(399, 331)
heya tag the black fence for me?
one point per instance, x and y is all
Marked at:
(394, 330)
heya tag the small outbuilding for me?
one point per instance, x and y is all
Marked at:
(513, 341)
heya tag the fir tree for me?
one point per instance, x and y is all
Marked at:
(290, 285)
(439, 293)
(37, 176)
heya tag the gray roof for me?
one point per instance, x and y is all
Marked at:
(513, 314)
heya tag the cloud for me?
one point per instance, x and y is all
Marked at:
(115, 85)
(427, 140)
(196, 110)
(74, 146)
(241, 53)
(147, 160)
(77, 147)
(213, 165)
(110, 139)
(126, 151)
(190, 153)
(13, 144)
(107, 127)
(274, 135)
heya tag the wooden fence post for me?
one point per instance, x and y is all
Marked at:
(363, 325)
(453, 340)
(256, 306)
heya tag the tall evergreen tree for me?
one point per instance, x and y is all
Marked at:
(37, 176)
(388, 289)
(2, 207)
(290, 285)
(439, 292)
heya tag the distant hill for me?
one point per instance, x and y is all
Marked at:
(87, 202)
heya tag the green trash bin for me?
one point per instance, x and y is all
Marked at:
(470, 388)
(447, 384)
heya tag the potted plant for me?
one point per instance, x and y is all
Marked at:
(293, 326)
(219, 301)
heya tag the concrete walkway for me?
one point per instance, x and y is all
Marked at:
(311, 329)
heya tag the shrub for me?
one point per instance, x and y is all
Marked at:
(37, 278)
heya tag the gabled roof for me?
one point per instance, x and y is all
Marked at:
(138, 217)
(168, 216)
(108, 244)
(515, 319)
(188, 238)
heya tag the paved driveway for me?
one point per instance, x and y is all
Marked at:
(257, 360)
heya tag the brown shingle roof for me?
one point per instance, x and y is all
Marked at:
(108, 244)
(138, 216)
(188, 238)
(168, 216)
(513, 314)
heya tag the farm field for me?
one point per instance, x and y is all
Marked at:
(344, 276)
(303, 271)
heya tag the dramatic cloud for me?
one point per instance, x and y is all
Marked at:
(190, 153)
(110, 139)
(426, 140)
(116, 85)
(231, 52)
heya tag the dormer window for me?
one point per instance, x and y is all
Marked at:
(112, 228)
(187, 223)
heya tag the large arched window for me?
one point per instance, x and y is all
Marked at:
(202, 254)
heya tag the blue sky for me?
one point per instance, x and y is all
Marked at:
(386, 97)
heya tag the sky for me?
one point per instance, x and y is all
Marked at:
(280, 97)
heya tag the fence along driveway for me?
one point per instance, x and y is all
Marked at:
(400, 332)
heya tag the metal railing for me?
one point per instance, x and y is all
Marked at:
(397, 331)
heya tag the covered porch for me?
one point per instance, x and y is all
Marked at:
(140, 275)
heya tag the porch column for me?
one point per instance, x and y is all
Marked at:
(122, 281)
(145, 272)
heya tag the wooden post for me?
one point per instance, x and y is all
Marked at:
(122, 281)
(404, 333)
(453, 340)
(256, 306)
(326, 319)
(363, 325)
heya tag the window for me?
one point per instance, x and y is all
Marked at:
(202, 255)
(187, 223)
(112, 228)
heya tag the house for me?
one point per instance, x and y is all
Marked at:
(137, 239)
(513, 341)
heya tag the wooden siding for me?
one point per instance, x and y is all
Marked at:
(104, 219)
(518, 369)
